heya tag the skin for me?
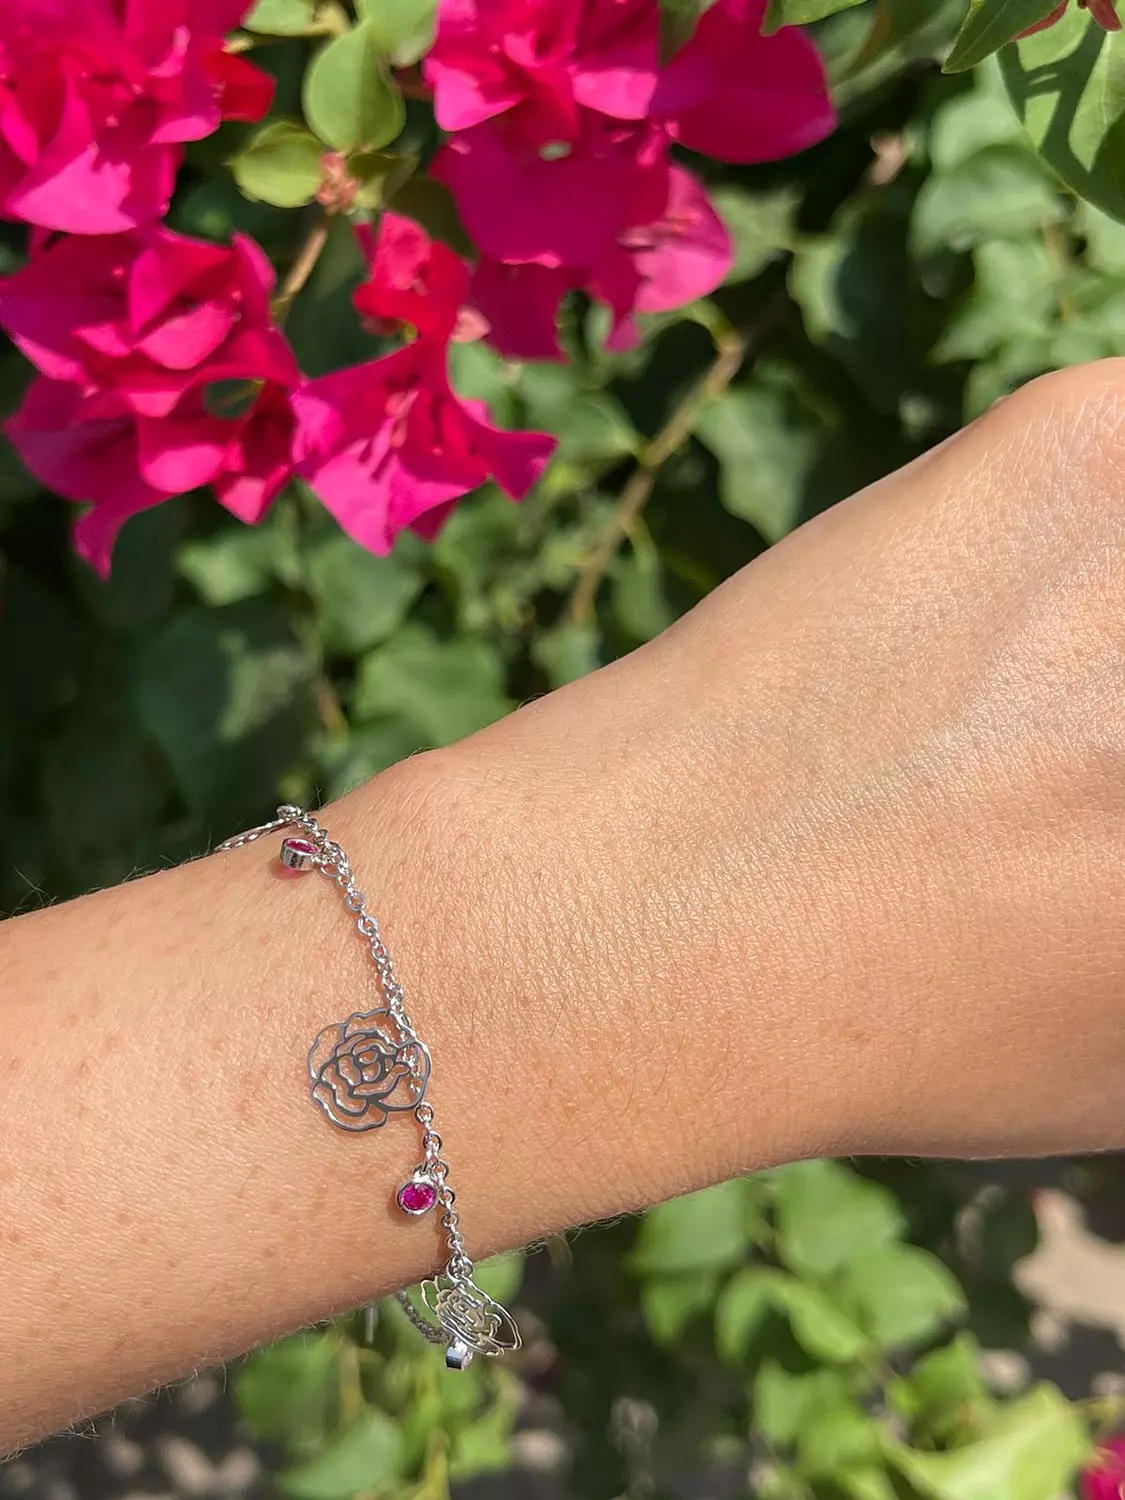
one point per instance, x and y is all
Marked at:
(836, 865)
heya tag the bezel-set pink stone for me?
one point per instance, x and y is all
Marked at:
(417, 1196)
(298, 854)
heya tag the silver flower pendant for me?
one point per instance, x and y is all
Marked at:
(365, 1068)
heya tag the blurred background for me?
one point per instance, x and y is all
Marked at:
(873, 1331)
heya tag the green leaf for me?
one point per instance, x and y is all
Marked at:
(567, 652)
(700, 1232)
(289, 1392)
(360, 598)
(974, 118)
(907, 29)
(764, 457)
(1068, 87)
(364, 751)
(741, 1310)
(837, 1439)
(226, 694)
(900, 1294)
(1105, 239)
(999, 190)
(989, 25)
(866, 1483)
(359, 1459)
(102, 788)
(445, 688)
(670, 1303)
(827, 1216)
(762, 225)
(239, 561)
(290, 17)
(640, 601)
(483, 1445)
(280, 164)
(1030, 1452)
(818, 1324)
(801, 12)
(1013, 295)
(944, 1394)
(350, 100)
(783, 1402)
(139, 590)
(403, 29)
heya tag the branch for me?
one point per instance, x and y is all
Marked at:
(301, 269)
(732, 347)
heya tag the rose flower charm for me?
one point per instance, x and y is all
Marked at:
(364, 1068)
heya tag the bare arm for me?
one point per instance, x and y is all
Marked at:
(836, 865)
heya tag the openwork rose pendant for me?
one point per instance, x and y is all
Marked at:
(365, 1068)
(470, 1317)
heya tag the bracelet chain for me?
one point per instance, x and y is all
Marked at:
(456, 1311)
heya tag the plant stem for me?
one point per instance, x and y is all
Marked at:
(302, 268)
(731, 349)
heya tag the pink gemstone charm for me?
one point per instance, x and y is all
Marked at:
(298, 854)
(417, 1196)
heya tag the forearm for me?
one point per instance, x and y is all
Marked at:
(836, 865)
(169, 1195)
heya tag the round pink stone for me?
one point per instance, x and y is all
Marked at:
(416, 1196)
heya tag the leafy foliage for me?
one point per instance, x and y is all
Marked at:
(958, 235)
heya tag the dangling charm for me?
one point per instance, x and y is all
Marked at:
(417, 1195)
(297, 854)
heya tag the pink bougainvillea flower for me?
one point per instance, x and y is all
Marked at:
(1105, 1479)
(97, 98)
(162, 370)
(412, 279)
(95, 449)
(1104, 13)
(388, 445)
(738, 96)
(650, 268)
(147, 314)
(541, 60)
(556, 210)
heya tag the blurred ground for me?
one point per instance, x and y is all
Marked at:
(186, 1443)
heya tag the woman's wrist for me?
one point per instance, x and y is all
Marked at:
(592, 1054)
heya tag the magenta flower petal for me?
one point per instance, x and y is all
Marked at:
(388, 445)
(98, 100)
(259, 460)
(688, 251)
(519, 206)
(1104, 1479)
(520, 304)
(515, 460)
(614, 68)
(738, 96)
(93, 461)
(412, 279)
(181, 451)
(64, 293)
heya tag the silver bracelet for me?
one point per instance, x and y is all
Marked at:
(371, 1066)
